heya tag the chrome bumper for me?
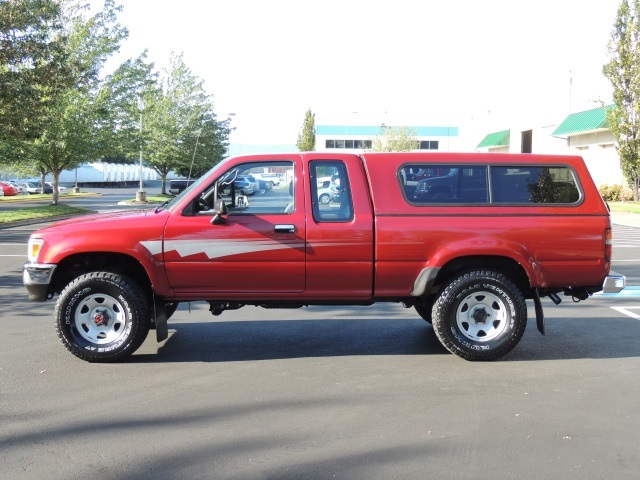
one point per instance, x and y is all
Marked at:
(36, 278)
(613, 283)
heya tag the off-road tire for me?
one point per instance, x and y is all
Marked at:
(102, 317)
(480, 315)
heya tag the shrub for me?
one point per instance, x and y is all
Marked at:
(615, 193)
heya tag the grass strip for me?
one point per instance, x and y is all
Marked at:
(630, 207)
(39, 213)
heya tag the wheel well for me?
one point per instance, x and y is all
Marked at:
(507, 266)
(79, 264)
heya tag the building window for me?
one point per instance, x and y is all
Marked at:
(350, 144)
(429, 145)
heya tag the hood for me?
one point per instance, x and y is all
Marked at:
(97, 219)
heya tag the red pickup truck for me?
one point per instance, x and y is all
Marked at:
(463, 238)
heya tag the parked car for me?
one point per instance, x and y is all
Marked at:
(275, 178)
(326, 194)
(47, 188)
(516, 227)
(20, 190)
(178, 186)
(62, 190)
(8, 189)
(31, 188)
(255, 185)
(245, 186)
(266, 184)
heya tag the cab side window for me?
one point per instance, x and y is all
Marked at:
(250, 189)
(330, 191)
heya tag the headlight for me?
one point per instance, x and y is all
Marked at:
(33, 249)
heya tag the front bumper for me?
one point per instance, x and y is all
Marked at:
(36, 278)
(614, 283)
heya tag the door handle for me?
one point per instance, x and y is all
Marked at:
(285, 228)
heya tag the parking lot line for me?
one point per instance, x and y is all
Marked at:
(626, 311)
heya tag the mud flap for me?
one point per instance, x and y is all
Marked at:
(162, 331)
(539, 313)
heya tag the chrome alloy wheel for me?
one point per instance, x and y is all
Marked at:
(100, 319)
(481, 316)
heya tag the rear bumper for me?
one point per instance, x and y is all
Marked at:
(614, 283)
(36, 278)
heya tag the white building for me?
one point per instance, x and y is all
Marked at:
(587, 134)
(357, 138)
(583, 133)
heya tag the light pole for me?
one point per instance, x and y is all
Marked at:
(141, 195)
(229, 131)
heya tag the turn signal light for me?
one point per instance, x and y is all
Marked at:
(33, 249)
(608, 244)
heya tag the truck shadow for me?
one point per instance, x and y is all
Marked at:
(288, 339)
(282, 339)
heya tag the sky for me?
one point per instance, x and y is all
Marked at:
(483, 66)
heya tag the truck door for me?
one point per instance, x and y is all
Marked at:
(260, 247)
(339, 230)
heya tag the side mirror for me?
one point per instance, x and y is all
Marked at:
(219, 211)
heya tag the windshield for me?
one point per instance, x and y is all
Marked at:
(168, 205)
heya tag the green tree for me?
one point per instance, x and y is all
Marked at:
(182, 131)
(623, 71)
(307, 137)
(71, 116)
(35, 65)
(121, 103)
(395, 139)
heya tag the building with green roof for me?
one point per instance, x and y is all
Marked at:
(496, 141)
(583, 133)
(587, 134)
(584, 123)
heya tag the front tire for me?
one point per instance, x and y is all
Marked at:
(102, 317)
(480, 315)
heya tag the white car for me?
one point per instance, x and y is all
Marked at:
(328, 194)
(274, 178)
(31, 188)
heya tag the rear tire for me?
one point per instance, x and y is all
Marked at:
(480, 315)
(102, 317)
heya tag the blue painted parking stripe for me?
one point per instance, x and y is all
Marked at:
(630, 291)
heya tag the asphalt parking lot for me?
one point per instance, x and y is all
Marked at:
(348, 393)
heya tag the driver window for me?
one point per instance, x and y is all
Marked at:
(259, 188)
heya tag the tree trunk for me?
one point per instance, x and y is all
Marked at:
(164, 184)
(56, 195)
